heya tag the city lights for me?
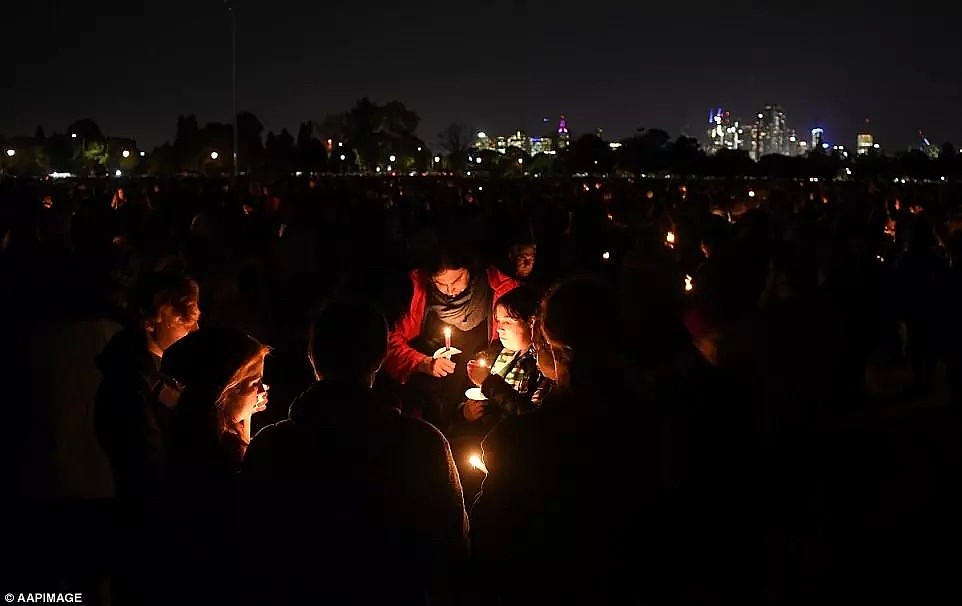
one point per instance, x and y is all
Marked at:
(125, 153)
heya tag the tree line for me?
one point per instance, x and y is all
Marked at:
(371, 137)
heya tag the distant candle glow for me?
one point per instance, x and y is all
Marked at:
(670, 239)
(689, 285)
(606, 255)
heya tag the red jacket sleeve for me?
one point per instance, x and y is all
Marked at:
(401, 357)
(500, 284)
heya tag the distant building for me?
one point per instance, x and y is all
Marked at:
(529, 145)
(541, 145)
(773, 136)
(818, 138)
(724, 132)
(483, 141)
(865, 143)
(564, 139)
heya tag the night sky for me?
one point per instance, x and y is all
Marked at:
(134, 65)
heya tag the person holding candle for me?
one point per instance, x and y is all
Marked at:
(452, 295)
(507, 372)
(213, 379)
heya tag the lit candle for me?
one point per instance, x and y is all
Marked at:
(477, 463)
(482, 363)
(670, 239)
(606, 255)
(689, 286)
(447, 337)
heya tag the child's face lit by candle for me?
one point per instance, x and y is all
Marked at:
(514, 333)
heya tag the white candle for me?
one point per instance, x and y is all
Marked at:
(447, 337)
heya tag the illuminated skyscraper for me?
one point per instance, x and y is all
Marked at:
(723, 132)
(774, 131)
(563, 137)
(818, 138)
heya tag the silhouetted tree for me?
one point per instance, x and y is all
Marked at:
(188, 143)
(250, 146)
(590, 154)
(455, 139)
(645, 152)
(362, 130)
(311, 153)
(162, 161)
(280, 152)
(59, 149)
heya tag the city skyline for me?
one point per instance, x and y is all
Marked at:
(135, 66)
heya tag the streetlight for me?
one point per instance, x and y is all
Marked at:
(125, 153)
(343, 157)
(392, 158)
(143, 154)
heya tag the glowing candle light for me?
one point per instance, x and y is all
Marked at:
(482, 363)
(606, 255)
(477, 463)
(670, 239)
(689, 285)
(447, 337)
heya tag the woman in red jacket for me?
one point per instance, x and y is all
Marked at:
(452, 295)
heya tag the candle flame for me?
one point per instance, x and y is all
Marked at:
(670, 239)
(477, 463)
(447, 331)
(606, 255)
(689, 286)
(482, 363)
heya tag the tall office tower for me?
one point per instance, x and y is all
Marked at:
(563, 138)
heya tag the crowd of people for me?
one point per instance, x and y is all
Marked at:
(444, 390)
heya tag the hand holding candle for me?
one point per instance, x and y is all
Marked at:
(478, 371)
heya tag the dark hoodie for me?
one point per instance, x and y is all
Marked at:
(128, 418)
(348, 488)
